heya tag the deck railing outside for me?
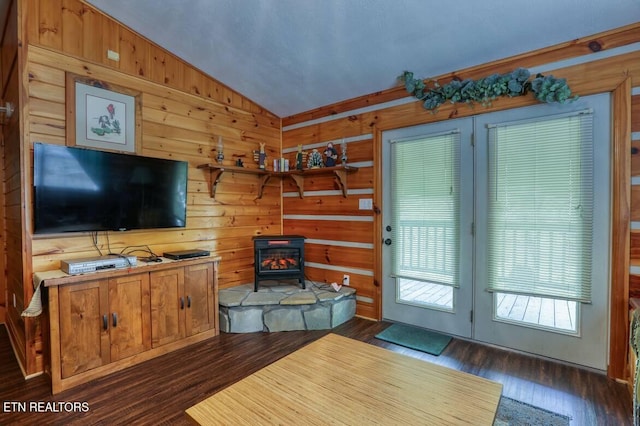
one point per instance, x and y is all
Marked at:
(421, 251)
(427, 249)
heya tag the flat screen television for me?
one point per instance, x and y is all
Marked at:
(77, 189)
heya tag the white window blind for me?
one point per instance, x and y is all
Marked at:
(425, 188)
(541, 207)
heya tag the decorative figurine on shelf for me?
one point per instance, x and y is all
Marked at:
(343, 148)
(220, 155)
(315, 160)
(332, 155)
(262, 159)
(299, 158)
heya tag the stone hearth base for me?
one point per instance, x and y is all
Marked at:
(282, 306)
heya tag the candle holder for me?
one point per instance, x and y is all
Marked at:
(220, 155)
(343, 149)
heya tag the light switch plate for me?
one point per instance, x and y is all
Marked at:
(114, 56)
(365, 204)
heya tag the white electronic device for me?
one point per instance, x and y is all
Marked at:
(81, 266)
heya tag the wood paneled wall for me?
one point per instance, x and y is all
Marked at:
(359, 117)
(634, 277)
(183, 113)
(340, 235)
(12, 230)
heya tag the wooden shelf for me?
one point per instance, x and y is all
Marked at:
(215, 171)
(340, 173)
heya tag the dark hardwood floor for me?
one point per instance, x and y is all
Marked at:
(158, 391)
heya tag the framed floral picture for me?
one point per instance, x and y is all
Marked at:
(102, 116)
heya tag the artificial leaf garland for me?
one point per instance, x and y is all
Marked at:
(515, 83)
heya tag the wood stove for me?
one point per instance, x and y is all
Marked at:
(278, 256)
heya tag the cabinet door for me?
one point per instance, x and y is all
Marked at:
(200, 312)
(168, 306)
(130, 315)
(84, 333)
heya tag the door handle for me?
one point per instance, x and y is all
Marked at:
(115, 319)
(387, 241)
(105, 322)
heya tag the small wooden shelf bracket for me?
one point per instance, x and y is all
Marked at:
(341, 178)
(263, 181)
(299, 181)
(214, 175)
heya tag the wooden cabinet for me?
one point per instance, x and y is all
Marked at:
(84, 330)
(202, 307)
(129, 316)
(167, 306)
(103, 321)
(182, 303)
(101, 325)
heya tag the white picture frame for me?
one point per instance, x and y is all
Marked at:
(104, 119)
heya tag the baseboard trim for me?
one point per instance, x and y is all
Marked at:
(15, 353)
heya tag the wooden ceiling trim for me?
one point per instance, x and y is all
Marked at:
(571, 49)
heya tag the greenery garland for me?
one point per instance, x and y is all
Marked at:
(515, 83)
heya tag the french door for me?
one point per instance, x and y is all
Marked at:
(471, 255)
(426, 227)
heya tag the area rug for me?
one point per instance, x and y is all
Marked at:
(415, 338)
(517, 413)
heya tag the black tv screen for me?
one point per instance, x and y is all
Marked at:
(78, 189)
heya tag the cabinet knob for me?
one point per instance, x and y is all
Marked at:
(182, 303)
(105, 322)
(188, 301)
(115, 319)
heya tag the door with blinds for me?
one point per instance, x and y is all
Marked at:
(543, 230)
(427, 220)
(504, 240)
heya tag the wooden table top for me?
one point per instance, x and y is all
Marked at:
(337, 380)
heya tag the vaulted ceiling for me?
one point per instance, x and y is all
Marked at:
(292, 56)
